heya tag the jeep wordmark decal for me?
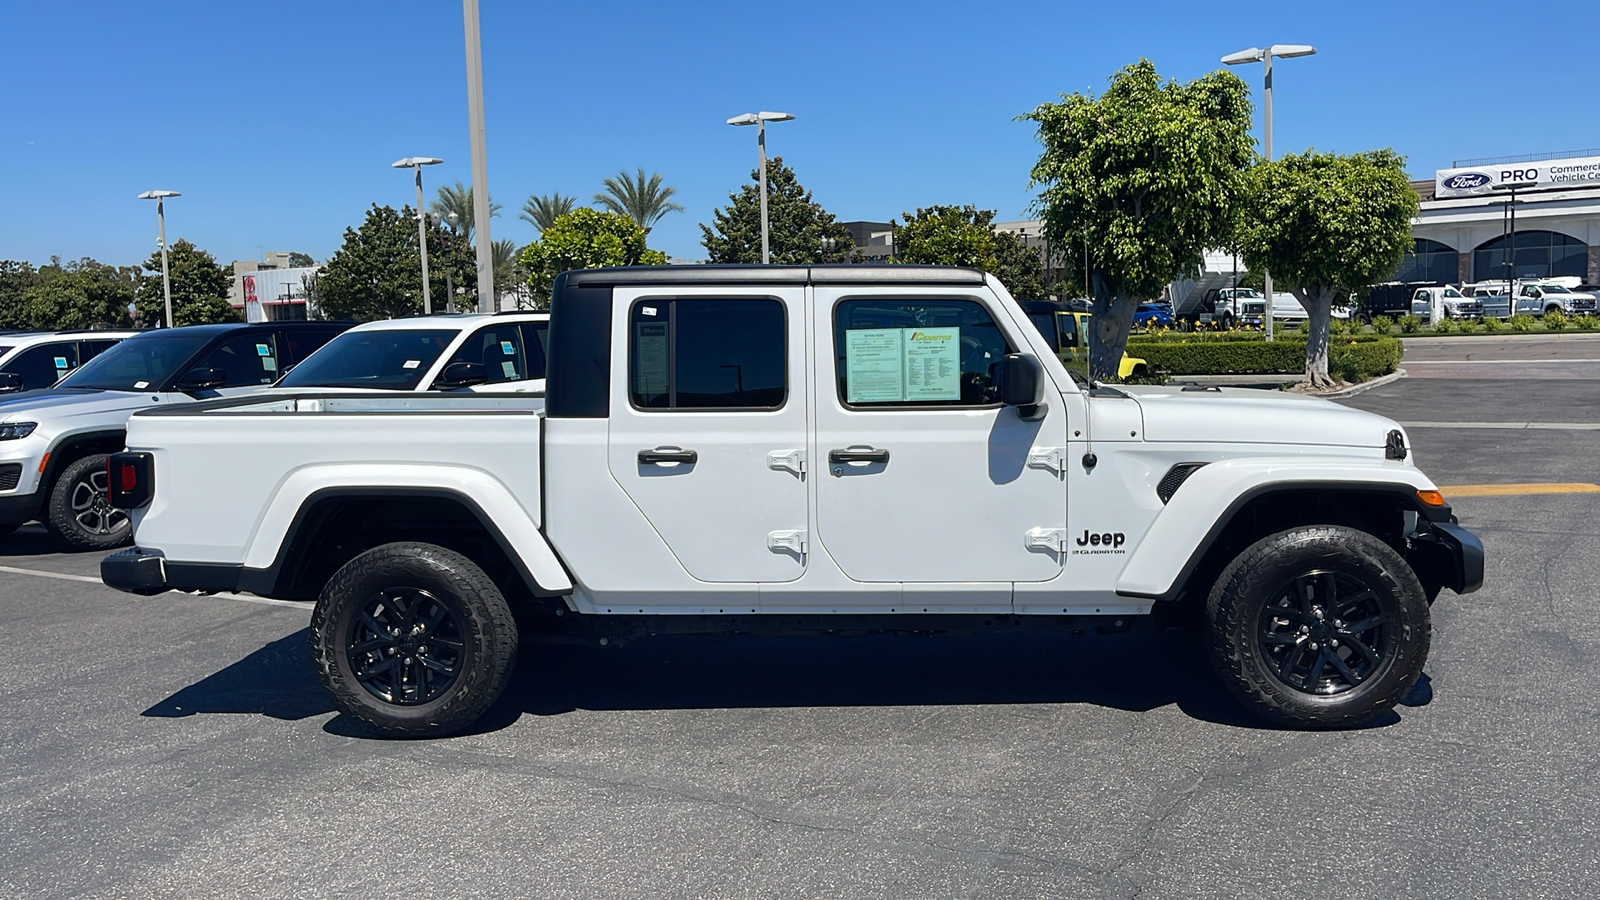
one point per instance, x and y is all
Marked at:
(1105, 542)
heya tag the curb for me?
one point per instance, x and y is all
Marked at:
(1396, 375)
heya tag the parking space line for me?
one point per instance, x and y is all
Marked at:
(1511, 426)
(90, 579)
(1491, 362)
(1511, 490)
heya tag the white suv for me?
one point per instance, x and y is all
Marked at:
(30, 361)
(498, 352)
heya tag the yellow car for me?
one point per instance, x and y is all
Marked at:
(1068, 332)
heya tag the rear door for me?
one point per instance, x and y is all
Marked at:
(924, 478)
(501, 348)
(710, 441)
(42, 365)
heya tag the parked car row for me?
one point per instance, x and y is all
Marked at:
(55, 434)
(1433, 301)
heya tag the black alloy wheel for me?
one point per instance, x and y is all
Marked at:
(405, 646)
(1326, 633)
(1321, 626)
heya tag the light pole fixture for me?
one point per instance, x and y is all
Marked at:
(416, 163)
(161, 225)
(1252, 55)
(488, 300)
(1511, 237)
(760, 120)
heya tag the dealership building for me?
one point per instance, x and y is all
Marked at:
(1463, 229)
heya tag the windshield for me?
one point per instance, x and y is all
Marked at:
(1452, 292)
(1554, 289)
(1245, 293)
(137, 364)
(392, 360)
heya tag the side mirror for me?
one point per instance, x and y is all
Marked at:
(202, 378)
(10, 382)
(1022, 385)
(461, 374)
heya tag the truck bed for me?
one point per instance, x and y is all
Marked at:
(247, 479)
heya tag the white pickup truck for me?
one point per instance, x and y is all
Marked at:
(823, 449)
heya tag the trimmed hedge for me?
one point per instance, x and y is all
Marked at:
(1350, 358)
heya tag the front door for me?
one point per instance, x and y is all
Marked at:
(922, 475)
(710, 444)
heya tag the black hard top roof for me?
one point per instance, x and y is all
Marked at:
(229, 327)
(743, 274)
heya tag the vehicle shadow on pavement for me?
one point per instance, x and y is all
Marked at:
(33, 540)
(274, 681)
(1137, 672)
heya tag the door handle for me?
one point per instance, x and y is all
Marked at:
(858, 456)
(668, 455)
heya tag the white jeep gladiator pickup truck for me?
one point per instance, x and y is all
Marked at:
(824, 449)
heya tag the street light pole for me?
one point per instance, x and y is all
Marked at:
(1256, 54)
(161, 229)
(488, 301)
(1511, 238)
(760, 120)
(417, 162)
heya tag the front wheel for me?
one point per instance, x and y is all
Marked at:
(79, 510)
(1318, 627)
(413, 640)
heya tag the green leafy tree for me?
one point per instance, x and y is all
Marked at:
(641, 199)
(965, 236)
(1019, 267)
(300, 260)
(1326, 225)
(585, 239)
(457, 199)
(377, 272)
(1143, 175)
(77, 296)
(16, 277)
(797, 225)
(199, 288)
(542, 211)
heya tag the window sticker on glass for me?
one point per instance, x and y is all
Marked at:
(648, 310)
(887, 365)
(507, 349)
(411, 364)
(509, 368)
(269, 364)
(874, 365)
(61, 362)
(140, 385)
(263, 350)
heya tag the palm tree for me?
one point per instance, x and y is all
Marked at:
(641, 199)
(458, 199)
(503, 255)
(541, 212)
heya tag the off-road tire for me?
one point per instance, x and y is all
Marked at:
(1236, 613)
(70, 523)
(483, 622)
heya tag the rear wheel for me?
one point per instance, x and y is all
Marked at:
(79, 511)
(413, 640)
(1318, 627)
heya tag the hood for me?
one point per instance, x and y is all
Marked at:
(1247, 416)
(57, 403)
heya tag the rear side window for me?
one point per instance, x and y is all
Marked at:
(707, 354)
(246, 359)
(536, 343)
(88, 350)
(44, 365)
(298, 343)
(498, 348)
(917, 353)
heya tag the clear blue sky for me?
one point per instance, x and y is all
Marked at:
(278, 121)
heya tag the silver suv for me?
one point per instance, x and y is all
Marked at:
(30, 361)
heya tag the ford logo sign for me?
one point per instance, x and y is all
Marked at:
(1466, 181)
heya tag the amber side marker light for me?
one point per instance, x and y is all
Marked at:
(1432, 498)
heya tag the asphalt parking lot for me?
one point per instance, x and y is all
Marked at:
(179, 745)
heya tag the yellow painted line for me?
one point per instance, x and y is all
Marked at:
(1511, 490)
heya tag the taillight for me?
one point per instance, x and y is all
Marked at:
(130, 479)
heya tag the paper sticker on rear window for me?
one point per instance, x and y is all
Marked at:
(61, 362)
(269, 363)
(648, 310)
(507, 349)
(263, 350)
(411, 364)
(509, 368)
